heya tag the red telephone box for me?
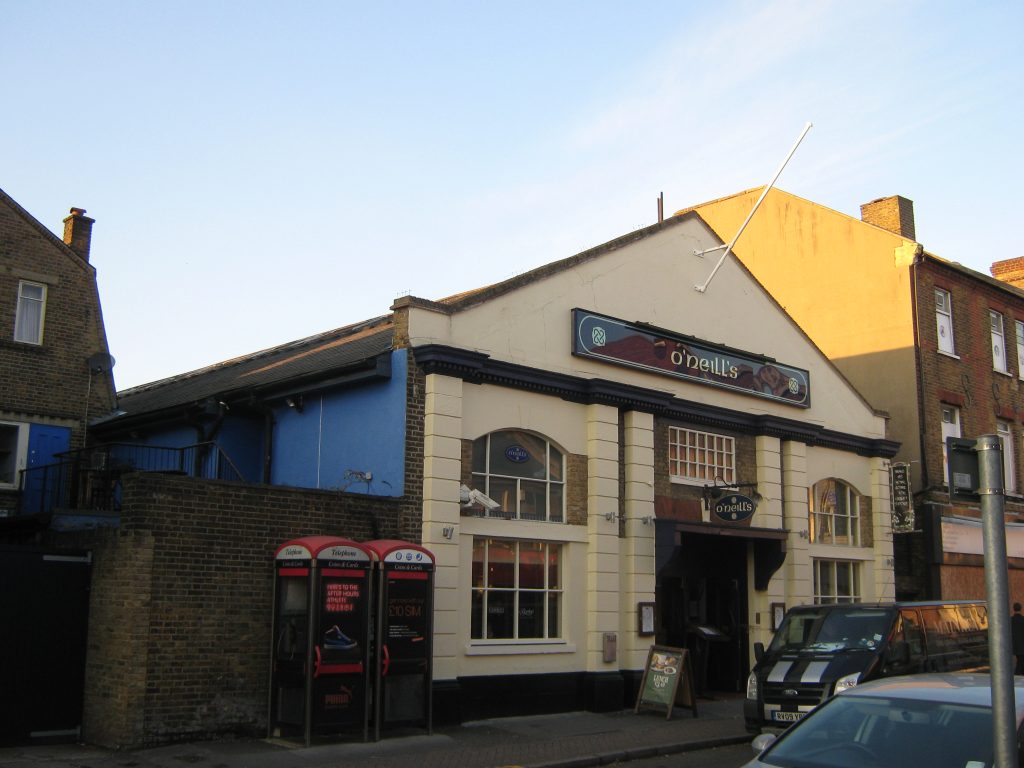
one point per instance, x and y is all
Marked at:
(320, 668)
(404, 634)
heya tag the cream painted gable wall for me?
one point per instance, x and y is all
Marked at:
(652, 281)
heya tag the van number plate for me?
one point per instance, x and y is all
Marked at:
(786, 717)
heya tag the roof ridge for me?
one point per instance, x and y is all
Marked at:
(345, 330)
(464, 299)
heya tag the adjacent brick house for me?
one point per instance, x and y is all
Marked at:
(53, 349)
(937, 346)
(55, 378)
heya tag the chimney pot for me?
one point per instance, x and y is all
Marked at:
(895, 214)
(78, 232)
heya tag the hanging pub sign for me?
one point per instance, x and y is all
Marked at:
(900, 498)
(671, 354)
(734, 507)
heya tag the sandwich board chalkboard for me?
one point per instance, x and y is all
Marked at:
(667, 681)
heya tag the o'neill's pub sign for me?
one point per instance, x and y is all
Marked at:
(683, 357)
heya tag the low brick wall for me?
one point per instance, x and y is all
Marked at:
(180, 615)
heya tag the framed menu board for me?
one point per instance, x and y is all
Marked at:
(667, 681)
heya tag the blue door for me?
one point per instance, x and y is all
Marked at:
(42, 480)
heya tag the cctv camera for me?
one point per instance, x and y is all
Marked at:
(484, 500)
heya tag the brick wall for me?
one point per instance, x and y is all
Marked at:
(180, 612)
(746, 461)
(983, 396)
(895, 214)
(968, 381)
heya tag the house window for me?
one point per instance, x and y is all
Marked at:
(944, 320)
(836, 581)
(950, 428)
(701, 457)
(523, 472)
(1020, 349)
(28, 322)
(517, 590)
(998, 342)
(1005, 433)
(834, 513)
(13, 449)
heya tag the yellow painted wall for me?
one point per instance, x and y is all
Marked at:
(846, 283)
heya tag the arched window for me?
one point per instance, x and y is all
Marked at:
(523, 472)
(834, 513)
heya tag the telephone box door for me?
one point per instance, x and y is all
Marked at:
(290, 652)
(320, 657)
(341, 643)
(405, 634)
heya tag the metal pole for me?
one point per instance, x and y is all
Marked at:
(1004, 720)
(764, 194)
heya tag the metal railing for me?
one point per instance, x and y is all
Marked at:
(90, 478)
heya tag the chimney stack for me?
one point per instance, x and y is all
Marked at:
(78, 232)
(895, 214)
(1009, 271)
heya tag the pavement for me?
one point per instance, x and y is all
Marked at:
(565, 740)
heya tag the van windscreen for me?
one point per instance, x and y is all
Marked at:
(830, 630)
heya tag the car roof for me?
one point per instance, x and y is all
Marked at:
(971, 689)
(886, 606)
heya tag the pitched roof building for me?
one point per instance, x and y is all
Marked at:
(56, 370)
(936, 345)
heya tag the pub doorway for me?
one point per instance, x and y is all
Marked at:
(702, 597)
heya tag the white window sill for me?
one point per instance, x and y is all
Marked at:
(687, 481)
(518, 647)
(949, 354)
(1007, 374)
(841, 552)
(522, 529)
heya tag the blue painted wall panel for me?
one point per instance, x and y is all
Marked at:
(360, 429)
(242, 441)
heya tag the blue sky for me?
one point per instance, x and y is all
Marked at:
(260, 172)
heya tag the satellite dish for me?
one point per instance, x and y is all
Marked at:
(101, 362)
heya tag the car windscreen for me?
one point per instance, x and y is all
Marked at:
(832, 629)
(890, 733)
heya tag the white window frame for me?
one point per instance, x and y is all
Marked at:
(995, 321)
(834, 505)
(1020, 348)
(512, 507)
(950, 428)
(944, 321)
(30, 308)
(1004, 430)
(700, 458)
(13, 453)
(483, 590)
(829, 570)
